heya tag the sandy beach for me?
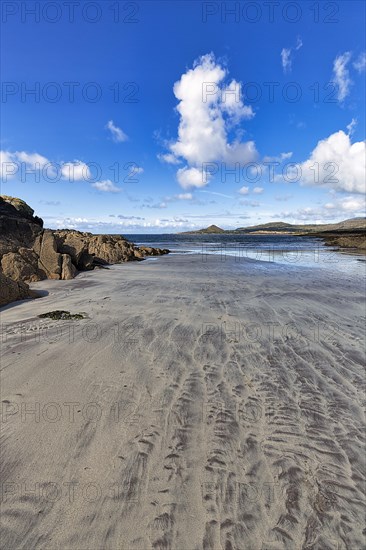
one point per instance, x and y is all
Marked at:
(201, 404)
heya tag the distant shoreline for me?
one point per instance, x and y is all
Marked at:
(343, 240)
(346, 235)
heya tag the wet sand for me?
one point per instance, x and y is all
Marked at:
(201, 405)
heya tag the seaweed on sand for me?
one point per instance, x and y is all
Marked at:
(60, 314)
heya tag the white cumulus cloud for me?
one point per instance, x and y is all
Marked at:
(32, 160)
(192, 177)
(351, 204)
(8, 165)
(75, 171)
(107, 186)
(13, 164)
(336, 163)
(280, 158)
(24, 163)
(209, 109)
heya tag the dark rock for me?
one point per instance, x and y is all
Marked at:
(18, 228)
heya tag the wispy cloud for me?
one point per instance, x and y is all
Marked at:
(360, 63)
(341, 75)
(287, 55)
(351, 126)
(286, 60)
(50, 203)
(216, 193)
(252, 204)
(158, 205)
(283, 198)
(184, 196)
(118, 134)
(122, 217)
(169, 158)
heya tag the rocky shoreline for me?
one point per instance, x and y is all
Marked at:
(346, 241)
(30, 253)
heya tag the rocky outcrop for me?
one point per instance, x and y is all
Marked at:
(68, 270)
(151, 251)
(29, 253)
(50, 260)
(111, 249)
(13, 290)
(88, 251)
(22, 266)
(75, 244)
(18, 227)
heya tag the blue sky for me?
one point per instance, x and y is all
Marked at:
(139, 115)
